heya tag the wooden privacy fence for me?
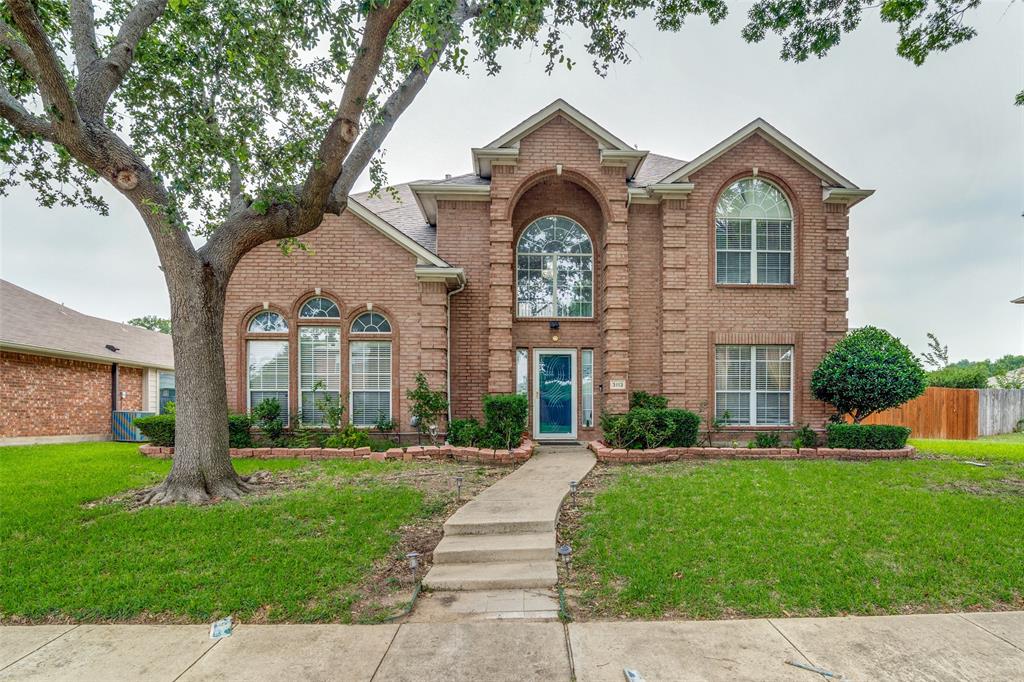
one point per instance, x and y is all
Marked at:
(939, 413)
(999, 410)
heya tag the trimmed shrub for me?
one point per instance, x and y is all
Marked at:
(505, 416)
(239, 434)
(349, 437)
(868, 371)
(646, 428)
(644, 400)
(158, 429)
(464, 432)
(867, 436)
(765, 440)
(266, 415)
(958, 377)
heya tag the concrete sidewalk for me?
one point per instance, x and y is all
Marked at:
(974, 646)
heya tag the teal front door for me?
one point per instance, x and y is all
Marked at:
(554, 396)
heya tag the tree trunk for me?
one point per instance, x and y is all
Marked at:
(201, 470)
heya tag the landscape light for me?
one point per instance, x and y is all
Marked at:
(458, 488)
(414, 562)
(565, 551)
(572, 490)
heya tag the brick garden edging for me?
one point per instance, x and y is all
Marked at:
(620, 456)
(412, 453)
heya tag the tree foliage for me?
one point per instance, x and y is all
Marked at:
(868, 371)
(153, 323)
(958, 377)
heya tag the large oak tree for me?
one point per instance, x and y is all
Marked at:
(245, 121)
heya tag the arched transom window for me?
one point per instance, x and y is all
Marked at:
(371, 323)
(753, 234)
(318, 306)
(268, 322)
(555, 269)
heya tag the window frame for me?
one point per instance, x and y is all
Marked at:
(752, 392)
(360, 315)
(317, 318)
(753, 224)
(554, 283)
(390, 374)
(286, 407)
(260, 313)
(299, 369)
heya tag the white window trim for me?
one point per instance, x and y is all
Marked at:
(248, 378)
(587, 388)
(752, 391)
(302, 373)
(554, 279)
(753, 251)
(391, 380)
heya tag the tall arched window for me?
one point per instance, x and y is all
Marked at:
(753, 234)
(555, 269)
(319, 360)
(369, 353)
(267, 361)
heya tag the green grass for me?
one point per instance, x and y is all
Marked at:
(1009, 446)
(802, 538)
(297, 555)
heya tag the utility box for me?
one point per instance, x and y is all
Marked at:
(121, 428)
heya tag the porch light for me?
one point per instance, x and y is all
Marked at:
(573, 485)
(458, 488)
(565, 551)
(414, 562)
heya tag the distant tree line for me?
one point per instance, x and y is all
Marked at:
(970, 373)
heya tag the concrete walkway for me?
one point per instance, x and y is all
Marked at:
(504, 538)
(975, 646)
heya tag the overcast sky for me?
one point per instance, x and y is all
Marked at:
(940, 247)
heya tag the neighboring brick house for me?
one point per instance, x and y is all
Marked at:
(568, 266)
(62, 373)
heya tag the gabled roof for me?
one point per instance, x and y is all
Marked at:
(507, 145)
(772, 134)
(34, 324)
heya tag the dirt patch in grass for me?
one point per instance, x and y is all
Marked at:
(1010, 487)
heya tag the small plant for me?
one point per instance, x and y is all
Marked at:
(713, 425)
(267, 418)
(805, 437)
(427, 407)
(464, 432)
(505, 416)
(168, 408)
(349, 437)
(385, 424)
(765, 440)
(239, 431)
(645, 400)
(331, 407)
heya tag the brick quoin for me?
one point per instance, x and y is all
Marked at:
(658, 312)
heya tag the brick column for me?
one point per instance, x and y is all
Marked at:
(500, 354)
(837, 263)
(615, 316)
(673, 297)
(434, 333)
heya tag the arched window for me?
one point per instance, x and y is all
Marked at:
(371, 323)
(753, 234)
(268, 322)
(318, 306)
(555, 269)
(370, 371)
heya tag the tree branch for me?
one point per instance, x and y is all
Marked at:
(103, 76)
(18, 50)
(83, 33)
(26, 123)
(50, 77)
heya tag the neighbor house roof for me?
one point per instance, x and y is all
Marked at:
(1018, 300)
(33, 324)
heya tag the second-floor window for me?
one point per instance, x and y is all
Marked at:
(753, 234)
(554, 269)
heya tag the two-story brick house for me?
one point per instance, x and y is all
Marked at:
(568, 266)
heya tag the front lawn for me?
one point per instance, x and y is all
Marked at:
(299, 553)
(1008, 446)
(761, 538)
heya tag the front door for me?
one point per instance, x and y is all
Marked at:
(554, 393)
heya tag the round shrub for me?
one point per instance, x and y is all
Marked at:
(868, 371)
(505, 416)
(464, 432)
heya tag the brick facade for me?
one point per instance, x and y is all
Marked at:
(658, 312)
(42, 396)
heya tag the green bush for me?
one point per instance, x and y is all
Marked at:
(158, 429)
(765, 440)
(958, 377)
(805, 437)
(349, 437)
(867, 436)
(427, 406)
(505, 416)
(644, 400)
(868, 371)
(239, 433)
(646, 428)
(464, 432)
(266, 415)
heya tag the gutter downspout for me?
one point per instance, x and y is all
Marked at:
(448, 349)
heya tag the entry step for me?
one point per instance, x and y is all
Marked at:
(492, 576)
(463, 549)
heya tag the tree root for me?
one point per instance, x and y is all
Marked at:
(229, 488)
